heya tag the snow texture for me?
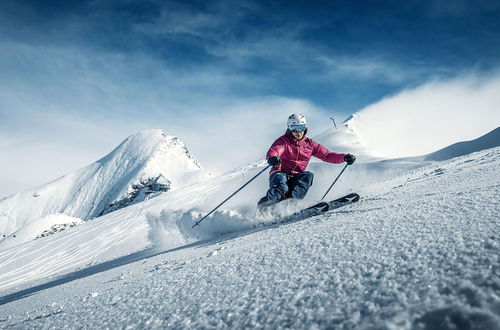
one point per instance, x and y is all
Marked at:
(420, 250)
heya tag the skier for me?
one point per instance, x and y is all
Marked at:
(289, 156)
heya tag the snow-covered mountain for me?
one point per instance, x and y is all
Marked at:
(345, 138)
(490, 140)
(348, 138)
(142, 166)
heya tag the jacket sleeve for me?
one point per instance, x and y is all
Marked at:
(326, 155)
(276, 149)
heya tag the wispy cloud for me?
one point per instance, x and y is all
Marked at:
(368, 68)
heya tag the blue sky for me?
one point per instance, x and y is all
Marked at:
(77, 77)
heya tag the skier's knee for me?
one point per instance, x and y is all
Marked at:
(308, 178)
(282, 187)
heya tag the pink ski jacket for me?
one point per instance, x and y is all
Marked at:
(295, 155)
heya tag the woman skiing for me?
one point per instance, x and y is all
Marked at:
(289, 156)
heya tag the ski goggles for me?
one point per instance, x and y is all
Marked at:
(297, 128)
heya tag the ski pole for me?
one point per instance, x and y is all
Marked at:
(197, 222)
(334, 181)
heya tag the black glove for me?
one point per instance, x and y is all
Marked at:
(349, 159)
(273, 160)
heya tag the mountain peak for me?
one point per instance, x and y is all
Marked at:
(142, 143)
(150, 136)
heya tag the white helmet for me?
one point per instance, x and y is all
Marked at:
(297, 121)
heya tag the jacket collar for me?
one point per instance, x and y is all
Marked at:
(290, 137)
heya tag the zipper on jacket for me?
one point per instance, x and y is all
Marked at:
(297, 160)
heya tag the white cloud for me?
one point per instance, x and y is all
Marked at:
(432, 116)
(178, 18)
(366, 68)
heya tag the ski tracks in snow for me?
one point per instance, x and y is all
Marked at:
(104, 238)
(67, 252)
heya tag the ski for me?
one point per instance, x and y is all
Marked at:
(336, 203)
(316, 209)
(323, 207)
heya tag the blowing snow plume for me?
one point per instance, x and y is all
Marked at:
(430, 117)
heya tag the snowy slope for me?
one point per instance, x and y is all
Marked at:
(166, 220)
(420, 250)
(112, 235)
(120, 178)
(490, 140)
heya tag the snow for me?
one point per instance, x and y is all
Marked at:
(420, 250)
(40, 228)
(490, 140)
(88, 192)
(346, 139)
(430, 117)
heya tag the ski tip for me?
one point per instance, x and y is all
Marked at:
(353, 197)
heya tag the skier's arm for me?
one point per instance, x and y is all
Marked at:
(326, 155)
(276, 149)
